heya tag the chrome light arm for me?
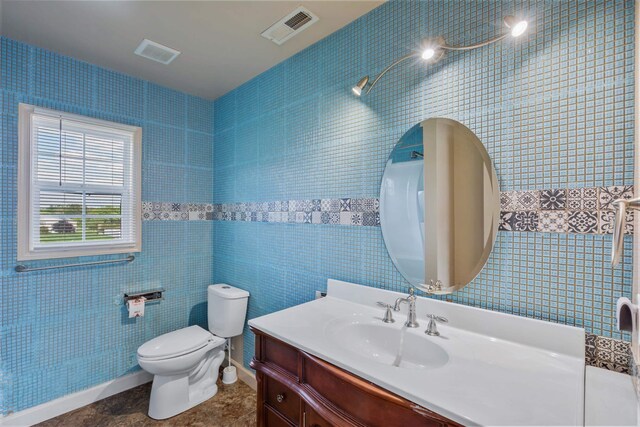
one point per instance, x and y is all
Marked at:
(619, 225)
(439, 46)
(477, 45)
(383, 72)
(442, 47)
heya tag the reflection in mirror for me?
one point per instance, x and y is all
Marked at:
(439, 205)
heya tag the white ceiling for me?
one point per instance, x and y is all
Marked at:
(220, 40)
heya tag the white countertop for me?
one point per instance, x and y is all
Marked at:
(490, 378)
(610, 399)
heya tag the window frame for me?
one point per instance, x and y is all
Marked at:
(25, 169)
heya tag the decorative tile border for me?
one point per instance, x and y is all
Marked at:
(347, 211)
(574, 210)
(608, 353)
(163, 211)
(563, 210)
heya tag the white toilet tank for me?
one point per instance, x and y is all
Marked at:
(227, 309)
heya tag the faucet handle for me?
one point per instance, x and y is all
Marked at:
(388, 315)
(432, 328)
(437, 318)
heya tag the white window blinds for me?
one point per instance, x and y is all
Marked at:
(83, 178)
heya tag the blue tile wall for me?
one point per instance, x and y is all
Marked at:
(554, 109)
(62, 331)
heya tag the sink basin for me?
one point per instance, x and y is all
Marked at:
(484, 369)
(392, 345)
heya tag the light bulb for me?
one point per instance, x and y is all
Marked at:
(517, 26)
(428, 53)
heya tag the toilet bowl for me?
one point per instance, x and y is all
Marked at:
(185, 363)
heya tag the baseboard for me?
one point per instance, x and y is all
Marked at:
(68, 403)
(245, 375)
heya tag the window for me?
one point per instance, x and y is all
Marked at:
(78, 186)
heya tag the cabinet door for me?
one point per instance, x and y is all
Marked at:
(282, 399)
(273, 419)
(313, 419)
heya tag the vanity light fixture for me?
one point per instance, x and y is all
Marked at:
(357, 89)
(433, 50)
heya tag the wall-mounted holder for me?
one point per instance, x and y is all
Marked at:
(153, 295)
(626, 315)
(619, 225)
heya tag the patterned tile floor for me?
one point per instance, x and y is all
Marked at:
(233, 406)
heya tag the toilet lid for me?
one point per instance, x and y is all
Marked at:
(178, 342)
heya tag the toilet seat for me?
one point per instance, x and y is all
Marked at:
(178, 343)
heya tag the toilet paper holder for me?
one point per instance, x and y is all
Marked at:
(150, 296)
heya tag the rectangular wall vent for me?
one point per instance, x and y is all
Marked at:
(156, 52)
(298, 20)
(292, 24)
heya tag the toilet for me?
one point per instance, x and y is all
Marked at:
(185, 362)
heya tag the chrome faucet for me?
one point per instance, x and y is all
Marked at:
(433, 287)
(411, 316)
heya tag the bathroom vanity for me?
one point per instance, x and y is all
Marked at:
(297, 388)
(334, 362)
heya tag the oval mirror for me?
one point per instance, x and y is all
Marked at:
(439, 205)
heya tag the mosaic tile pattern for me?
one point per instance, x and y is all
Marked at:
(553, 199)
(553, 222)
(74, 334)
(345, 211)
(548, 118)
(606, 195)
(574, 210)
(546, 211)
(608, 353)
(585, 222)
(167, 211)
(607, 220)
(582, 199)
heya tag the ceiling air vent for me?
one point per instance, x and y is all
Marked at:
(292, 24)
(156, 52)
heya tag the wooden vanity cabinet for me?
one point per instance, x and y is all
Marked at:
(298, 389)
